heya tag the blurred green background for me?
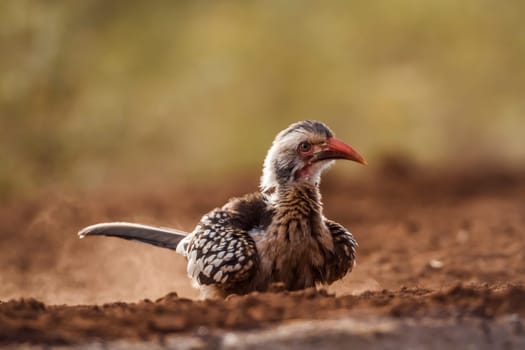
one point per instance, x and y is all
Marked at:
(95, 92)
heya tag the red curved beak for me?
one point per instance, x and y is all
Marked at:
(337, 149)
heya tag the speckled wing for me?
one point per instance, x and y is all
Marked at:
(343, 259)
(220, 252)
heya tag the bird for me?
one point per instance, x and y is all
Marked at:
(277, 235)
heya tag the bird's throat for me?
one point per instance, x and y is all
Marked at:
(298, 211)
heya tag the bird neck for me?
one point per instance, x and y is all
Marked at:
(305, 195)
(299, 204)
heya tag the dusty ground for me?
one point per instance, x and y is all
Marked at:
(439, 246)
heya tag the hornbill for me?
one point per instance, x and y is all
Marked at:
(276, 235)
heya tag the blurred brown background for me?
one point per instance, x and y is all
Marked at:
(96, 91)
(144, 99)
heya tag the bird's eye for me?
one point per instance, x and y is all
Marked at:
(305, 147)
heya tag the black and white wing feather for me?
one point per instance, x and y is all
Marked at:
(220, 253)
(343, 258)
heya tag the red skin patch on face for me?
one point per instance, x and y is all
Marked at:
(303, 172)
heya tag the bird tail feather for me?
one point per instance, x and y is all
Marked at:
(159, 236)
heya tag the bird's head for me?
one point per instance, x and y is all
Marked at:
(301, 152)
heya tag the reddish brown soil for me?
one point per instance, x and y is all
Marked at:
(443, 245)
